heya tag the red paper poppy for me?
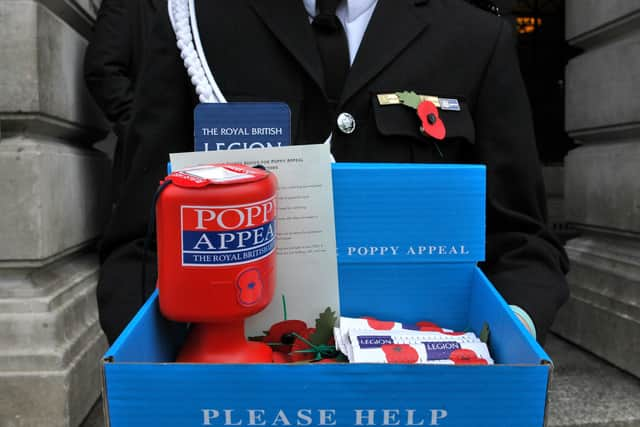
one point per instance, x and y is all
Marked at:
(400, 353)
(379, 325)
(463, 354)
(280, 335)
(432, 125)
(249, 285)
(428, 326)
(278, 357)
(466, 357)
(299, 346)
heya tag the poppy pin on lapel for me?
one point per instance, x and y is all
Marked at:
(432, 124)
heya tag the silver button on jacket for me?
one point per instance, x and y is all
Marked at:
(346, 123)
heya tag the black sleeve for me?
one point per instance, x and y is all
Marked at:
(524, 260)
(162, 119)
(108, 62)
(161, 123)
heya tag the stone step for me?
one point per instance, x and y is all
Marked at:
(603, 313)
(589, 392)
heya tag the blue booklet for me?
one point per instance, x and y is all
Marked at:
(241, 125)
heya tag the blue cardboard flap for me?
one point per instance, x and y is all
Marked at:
(417, 213)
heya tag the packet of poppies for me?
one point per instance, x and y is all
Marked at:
(372, 341)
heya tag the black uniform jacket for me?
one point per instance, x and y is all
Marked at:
(264, 50)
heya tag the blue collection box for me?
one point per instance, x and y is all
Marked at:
(409, 238)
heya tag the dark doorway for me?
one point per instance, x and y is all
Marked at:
(540, 25)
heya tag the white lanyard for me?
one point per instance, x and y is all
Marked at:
(182, 14)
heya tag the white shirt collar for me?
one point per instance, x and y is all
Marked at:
(354, 8)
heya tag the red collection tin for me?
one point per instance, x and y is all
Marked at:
(216, 252)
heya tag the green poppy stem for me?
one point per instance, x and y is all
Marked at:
(284, 307)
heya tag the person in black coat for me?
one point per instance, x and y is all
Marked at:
(112, 66)
(113, 62)
(264, 50)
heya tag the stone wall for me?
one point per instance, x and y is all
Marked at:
(52, 188)
(602, 180)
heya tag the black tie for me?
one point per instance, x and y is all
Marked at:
(333, 48)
